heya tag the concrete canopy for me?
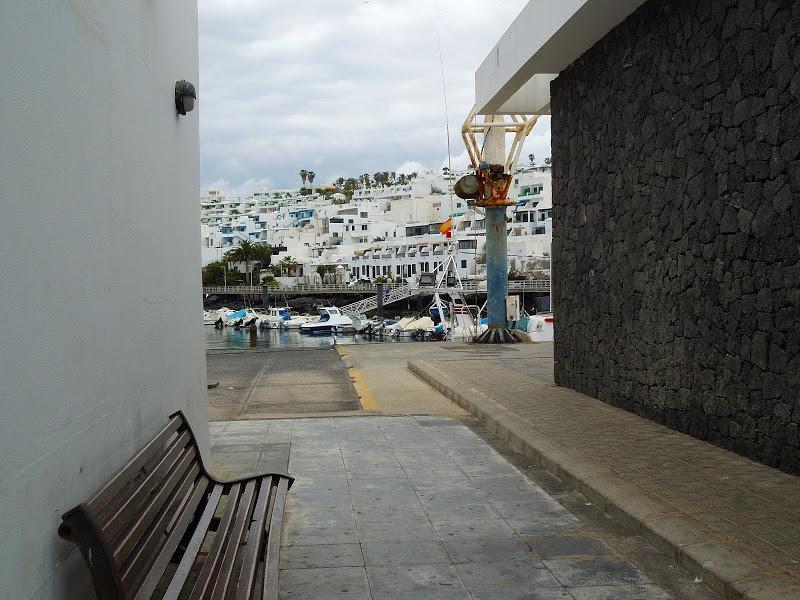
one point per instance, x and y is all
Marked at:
(546, 37)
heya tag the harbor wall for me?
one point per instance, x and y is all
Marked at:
(676, 161)
(99, 254)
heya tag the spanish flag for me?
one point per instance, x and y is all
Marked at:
(447, 228)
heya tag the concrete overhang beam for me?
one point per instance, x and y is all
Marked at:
(546, 37)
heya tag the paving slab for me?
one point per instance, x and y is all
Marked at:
(566, 546)
(379, 554)
(321, 556)
(678, 491)
(410, 535)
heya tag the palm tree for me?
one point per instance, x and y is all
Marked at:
(303, 176)
(548, 161)
(262, 254)
(287, 264)
(245, 252)
(531, 158)
(311, 176)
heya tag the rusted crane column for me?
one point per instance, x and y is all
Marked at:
(494, 153)
(488, 188)
(496, 267)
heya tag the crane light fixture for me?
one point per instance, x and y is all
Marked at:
(185, 96)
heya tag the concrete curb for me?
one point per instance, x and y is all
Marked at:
(723, 566)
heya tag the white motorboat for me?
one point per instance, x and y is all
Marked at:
(296, 322)
(240, 318)
(400, 326)
(540, 328)
(210, 317)
(421, 324)
(275, 317)
(361, 322)
(330, 319)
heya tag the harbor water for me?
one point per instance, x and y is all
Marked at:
(231, 338)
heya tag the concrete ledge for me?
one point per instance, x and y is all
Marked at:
(725, 567)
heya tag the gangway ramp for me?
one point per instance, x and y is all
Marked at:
(390, 295)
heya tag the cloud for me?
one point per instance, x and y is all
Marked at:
(341, 88)
(242, 189)
(411, 166)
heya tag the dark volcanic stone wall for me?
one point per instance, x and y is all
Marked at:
(676, 146)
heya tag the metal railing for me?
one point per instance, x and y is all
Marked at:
(343, 288)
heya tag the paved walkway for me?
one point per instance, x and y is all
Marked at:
(419, 507)
(739, 521)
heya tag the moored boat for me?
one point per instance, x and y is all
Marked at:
(540, 328)
(330, 319)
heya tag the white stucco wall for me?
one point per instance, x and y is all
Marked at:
(101, 335)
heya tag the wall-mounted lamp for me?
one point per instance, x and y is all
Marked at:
(185, 96)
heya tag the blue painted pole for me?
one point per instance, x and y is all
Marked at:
(496, 266)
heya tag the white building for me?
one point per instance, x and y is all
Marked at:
(104, 338)
(391, 232)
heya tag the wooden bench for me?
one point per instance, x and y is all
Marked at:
(165, 528)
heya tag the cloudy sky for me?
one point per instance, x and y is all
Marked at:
(340, 87)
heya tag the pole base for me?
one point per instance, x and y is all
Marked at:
(496, 336)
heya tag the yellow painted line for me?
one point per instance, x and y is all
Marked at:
(368, 401)
(344, 356)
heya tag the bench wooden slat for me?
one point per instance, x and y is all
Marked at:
(193, 547)
(120, 519)
(244, 588)
(138, 565)
(270, 591)
(121, 479)
(234, 542)
(173, 538)
(210, 565)
(152, 509)
(131, 531)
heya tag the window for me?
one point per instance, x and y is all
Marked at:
(398, 269)
(463, 263)
(364, 227)
(363, 215)
(467, 244)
